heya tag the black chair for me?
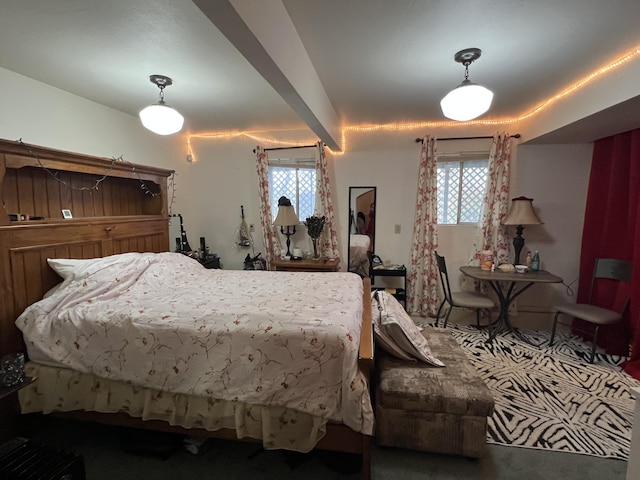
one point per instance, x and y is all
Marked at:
(605, 268)
(473, 300)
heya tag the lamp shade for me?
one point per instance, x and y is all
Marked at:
(521, 213)
(161, 119)
(466, 102)
(286, 216)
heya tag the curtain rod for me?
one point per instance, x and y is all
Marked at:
(287, 148)
(419, 140)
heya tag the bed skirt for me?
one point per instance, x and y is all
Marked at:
(65, 390)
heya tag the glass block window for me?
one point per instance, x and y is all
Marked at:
(461, 189)
(297, 182)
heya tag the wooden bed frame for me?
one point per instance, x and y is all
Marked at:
(128, 212)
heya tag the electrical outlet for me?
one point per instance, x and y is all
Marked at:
(396, 229)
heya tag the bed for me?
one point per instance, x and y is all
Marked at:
(104, 393)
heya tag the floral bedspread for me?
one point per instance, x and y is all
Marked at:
(163, 321)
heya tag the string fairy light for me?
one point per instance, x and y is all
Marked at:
(249, 134)
(583, 82)
(369, 128)
(96, 184)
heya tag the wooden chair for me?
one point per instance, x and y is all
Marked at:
(605, 268)
(473, 300)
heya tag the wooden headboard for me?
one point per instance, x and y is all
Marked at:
(117, 207)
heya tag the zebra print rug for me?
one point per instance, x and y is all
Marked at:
(552, 398)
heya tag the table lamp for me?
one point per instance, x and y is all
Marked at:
(520, 214)
(286, 218)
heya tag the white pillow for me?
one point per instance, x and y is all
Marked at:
(399, 326)
(69, 268)
(382, 339)
(76, 269)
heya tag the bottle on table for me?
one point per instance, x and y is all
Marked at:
(535, 262)
(528, 260)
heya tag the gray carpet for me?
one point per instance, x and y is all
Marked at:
(104, 451)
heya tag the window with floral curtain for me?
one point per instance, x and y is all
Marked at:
(492, 235)
(306, 181)
(324, 205)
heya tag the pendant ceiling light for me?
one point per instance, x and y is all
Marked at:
(161, 118)
(468, 100)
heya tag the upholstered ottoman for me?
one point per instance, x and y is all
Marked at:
(434, 409)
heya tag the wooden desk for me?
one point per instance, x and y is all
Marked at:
(320, 265)
(504, 284)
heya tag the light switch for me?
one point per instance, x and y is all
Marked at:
(397, 229)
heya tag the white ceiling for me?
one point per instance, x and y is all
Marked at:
(379, 61)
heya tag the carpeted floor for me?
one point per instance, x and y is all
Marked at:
(108, 455)
(552, 398)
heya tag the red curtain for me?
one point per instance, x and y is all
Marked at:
(612, 230)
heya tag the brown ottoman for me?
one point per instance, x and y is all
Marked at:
(434, 409)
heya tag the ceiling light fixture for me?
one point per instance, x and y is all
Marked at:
(468, 100)
(161, 118)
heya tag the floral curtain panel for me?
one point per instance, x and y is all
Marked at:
(324, 206)
(423, 271)
(492, 235)
(269, 234)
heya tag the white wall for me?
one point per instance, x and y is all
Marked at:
(214, 186)
(556, 177)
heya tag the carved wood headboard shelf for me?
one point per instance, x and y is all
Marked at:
(41, 182)
(128, 212)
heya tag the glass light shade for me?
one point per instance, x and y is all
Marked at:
(286, 216)
(161, 119)
(466, 102)
(521, 213)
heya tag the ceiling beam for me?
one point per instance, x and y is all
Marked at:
(265, 35)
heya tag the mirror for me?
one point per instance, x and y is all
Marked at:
(362, 229)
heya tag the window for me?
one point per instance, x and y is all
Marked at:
(461, 189)
(296, 180)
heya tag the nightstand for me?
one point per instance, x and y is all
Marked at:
(400, 293)
(319, 265)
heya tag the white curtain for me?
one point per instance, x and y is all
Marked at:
(324, 206)
(423, 275)
(269, 234)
